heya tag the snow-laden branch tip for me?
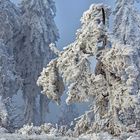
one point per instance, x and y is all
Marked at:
(54, 49)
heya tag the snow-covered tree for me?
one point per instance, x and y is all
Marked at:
(127, 22)
(113, 89)
(32, 52)
(72, 63)
(10, 81)
(9, 23)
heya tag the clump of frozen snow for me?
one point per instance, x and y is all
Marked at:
(45, 129)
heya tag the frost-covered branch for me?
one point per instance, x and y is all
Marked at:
(73, 64)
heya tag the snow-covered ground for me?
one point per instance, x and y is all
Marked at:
(25, 137)
(35, 137)
(101, 136)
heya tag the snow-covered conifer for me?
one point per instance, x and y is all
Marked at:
(10, 81)
(127, 22)
(73, 63)
(9, 23)
(33, 52)
(113, 89)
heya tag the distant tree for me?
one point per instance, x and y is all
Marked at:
(10, 81)
(127, 22)
(32, 53)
